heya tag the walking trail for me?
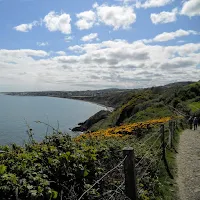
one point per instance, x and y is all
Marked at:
(188, 162)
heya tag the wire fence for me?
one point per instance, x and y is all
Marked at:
(157, 144)
(106, 174)
(128, 180)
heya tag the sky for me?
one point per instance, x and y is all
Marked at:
(89, 45)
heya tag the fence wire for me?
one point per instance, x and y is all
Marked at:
(106, 174)
(116, 178)
(145, 155)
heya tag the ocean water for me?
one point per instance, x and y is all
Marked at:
(17, 113)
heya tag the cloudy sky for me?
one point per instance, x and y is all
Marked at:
(80, 45)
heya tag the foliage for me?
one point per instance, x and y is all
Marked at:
(194, 106)
(62, 167)
(144, 104)
(57, 168)
(189, 92)
(152, 113)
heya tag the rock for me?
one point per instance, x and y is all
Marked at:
(84, 126)
(77, 129)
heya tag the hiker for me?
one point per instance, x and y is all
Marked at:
(195, 122)
(190, 120)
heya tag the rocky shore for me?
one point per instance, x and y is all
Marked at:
(84, 126)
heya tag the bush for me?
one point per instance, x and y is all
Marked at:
(56, 167)
(64, 168)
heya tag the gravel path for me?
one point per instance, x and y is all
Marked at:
(188, 162)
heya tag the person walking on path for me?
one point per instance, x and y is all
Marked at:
(190, 120)
(195, 122)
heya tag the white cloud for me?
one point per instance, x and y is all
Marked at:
(86, 20)
(104, 64)
(61, 53)
(116, 16)
(166, 36)
(75, 48)
(191, 8)
(26, 27)
(42, 44)
(23, 52)
(52, 21)
(58, 22)
(68, 38)
(153, 3)
(164, 17)
(173, 35)
(95, 5)
(125, 1)
(89, 37)
(181, 41)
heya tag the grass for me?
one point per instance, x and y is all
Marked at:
(151, 113)
(194, 106)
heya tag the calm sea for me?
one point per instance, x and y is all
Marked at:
(16, 111)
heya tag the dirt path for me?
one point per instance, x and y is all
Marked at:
(188, 162)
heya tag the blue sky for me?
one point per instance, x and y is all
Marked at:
(79, 45)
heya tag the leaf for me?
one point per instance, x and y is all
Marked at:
(29, 187)
(33, 192)
(85, 173)
(2, 169)
(67, 154)
(40, 189)
(54, 194)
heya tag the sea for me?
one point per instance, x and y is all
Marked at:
(18, 114)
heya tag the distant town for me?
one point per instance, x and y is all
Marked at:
(95, 96)
(69, 94)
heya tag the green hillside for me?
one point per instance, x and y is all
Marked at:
(151, 103)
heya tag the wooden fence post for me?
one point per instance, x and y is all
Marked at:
(173, 129)
(175, 124)
(170, 134)
(130, 175)
(162, 129)
(163, 150)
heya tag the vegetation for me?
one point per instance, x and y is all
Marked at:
(195, 106)
(152, 103)
(61, 167)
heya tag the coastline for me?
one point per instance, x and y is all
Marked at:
(80, 124)
(108, 108)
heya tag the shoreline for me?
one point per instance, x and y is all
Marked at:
(108, 108)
